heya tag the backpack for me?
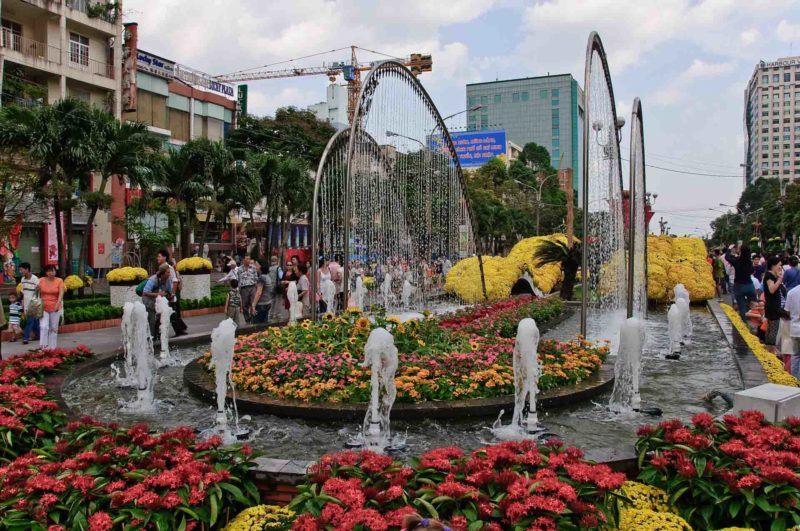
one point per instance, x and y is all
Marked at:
(140, 287)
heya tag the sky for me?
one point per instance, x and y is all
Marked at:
(688, 62)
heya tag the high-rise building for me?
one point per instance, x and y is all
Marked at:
(334, 108)
(53, 49)
(772, 120)
(547, 110)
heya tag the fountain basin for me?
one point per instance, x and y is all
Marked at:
(201, 384)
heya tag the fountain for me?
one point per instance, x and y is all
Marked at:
(675, 326)
(223, 339)
(126, 332)
(681, 293)
(294, 304)
(380, 355)
(685, 312)
(625, 397)
(604, 263)
(524, 420)
(386, 291)
(637, 216)
(360, 293)
(408, 291)
(164, 312)
(141, 345)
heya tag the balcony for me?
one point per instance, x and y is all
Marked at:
(30, 48)
(80, 61)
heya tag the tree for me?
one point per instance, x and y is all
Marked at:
(558, 252)
(535, 156)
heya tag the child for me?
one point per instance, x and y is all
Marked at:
(414, 522)
(233, 304)
(14, 315)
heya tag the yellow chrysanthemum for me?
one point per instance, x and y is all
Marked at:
(73, 282)
(194, 264)
(126, 275)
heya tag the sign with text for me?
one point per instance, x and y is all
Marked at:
(152, 64)
(475, 148)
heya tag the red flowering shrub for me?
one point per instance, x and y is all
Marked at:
(26, 415)
(741, 471)
(505, 486)
(501, 318)
(96, 474)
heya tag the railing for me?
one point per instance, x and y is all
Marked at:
(81, 62)
(96, 9)
(8, 99)
(29, 47)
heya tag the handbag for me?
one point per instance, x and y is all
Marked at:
(35, 307)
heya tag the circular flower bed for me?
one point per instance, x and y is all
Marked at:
(126, 276)
(321, 362)
(195, 265)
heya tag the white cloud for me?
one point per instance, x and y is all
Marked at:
(788, 32)
(749, 36)
(676, 91)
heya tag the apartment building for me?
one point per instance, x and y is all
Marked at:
(772, 121)
(53, 49)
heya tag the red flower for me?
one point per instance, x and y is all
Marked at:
(456, 490)
(100, 521)
(749, 481)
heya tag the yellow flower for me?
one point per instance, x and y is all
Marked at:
(474, 346)
(195, 263)
(73, 282)
(328, 316)
(126, 275)
(262, 517)
(306, 324)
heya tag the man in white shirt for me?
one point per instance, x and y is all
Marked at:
(731, 274)
(793, 307)
(30, 283)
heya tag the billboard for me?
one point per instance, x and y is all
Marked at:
(474, 148)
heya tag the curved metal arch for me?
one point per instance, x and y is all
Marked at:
(594, 44)
(340, 140)
(368, 87)
(637, 215)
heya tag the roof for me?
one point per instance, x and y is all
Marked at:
(517, 79)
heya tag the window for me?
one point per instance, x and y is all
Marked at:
(764, 113)
(543, 94)
(556, 131)
(765, 78)
(484, 100)
(797, 95)
(787, 76)
(797, 76)
(554, 103)
(78, 49)
(498, 98)
(776, 78)
(556, 142)
(12, 35)
(787, 95)
(471, 101)
(776, 96)
(484, 121)
(786, 129)
(556, 154)
(515, 97)
(554, 93)
(765, 97)
(524, 96)
(765, 164)
(775, 164)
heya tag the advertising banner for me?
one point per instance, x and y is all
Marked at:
(474, 148)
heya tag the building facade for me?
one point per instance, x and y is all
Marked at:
(772, 121)
(547, 110)
(51, 50)
(334, 108)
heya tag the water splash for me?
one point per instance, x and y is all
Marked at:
(126, 333)
(628, 367)
(386, 291)
(164, 312)
(380, 355)
(360, 293)
(408, 292)
(294, 303)
(524, 420)
(141, 345)
(682, 294)
(328, 290)
(675, 327)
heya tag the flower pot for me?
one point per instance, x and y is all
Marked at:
(122, 294)
(195, 287)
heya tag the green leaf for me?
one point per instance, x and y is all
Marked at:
(470, 513)
(674, 498)
(733, 507)
(214, 509)
(765, 506)
(475, 526)
(700, 466)
(428, 507)
(779, 524)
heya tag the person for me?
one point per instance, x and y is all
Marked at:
(414, 522)
(793, 308)
(773, 287)
(720, 284)
(265, 293)
(14, 316)
(759, 267)
(156, 285)
(791, 274)
(233, 304)
(304, 289)
(30, 284)
(743, 288)
(247, 278)
(175, 282)
(290, 275)
(51, 291)
(337, 276)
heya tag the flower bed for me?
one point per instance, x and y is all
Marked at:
(671, 261)
(89, 475)
(126, 276)
(773, 367)
(502, 318)
(500, 273)
(740, 471)
(513, 485)
(321, 362)
(195, 265)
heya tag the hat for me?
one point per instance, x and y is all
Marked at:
(163, 267)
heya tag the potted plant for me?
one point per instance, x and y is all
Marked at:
(195, 278)
(122, 283)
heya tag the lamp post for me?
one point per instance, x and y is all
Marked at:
(538, 195)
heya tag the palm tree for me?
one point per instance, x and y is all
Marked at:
(569, 258)
(125, 150)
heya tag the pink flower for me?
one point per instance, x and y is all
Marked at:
(100, 521)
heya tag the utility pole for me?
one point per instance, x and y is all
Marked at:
(662, 223)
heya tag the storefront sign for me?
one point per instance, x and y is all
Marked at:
(782, 62)
(241, 99)
(152, 64)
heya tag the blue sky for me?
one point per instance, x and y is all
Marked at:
(688, 61)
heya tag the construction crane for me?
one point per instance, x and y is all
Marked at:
(351, 72)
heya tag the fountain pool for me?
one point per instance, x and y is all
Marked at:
(677, 387)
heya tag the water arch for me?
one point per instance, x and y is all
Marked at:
(637, 229)
(604, 265)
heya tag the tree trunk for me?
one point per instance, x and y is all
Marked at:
(68, 243)
(186, 230)
(568, 285)
(205, 229)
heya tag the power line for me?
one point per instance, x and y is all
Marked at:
(670, 158)
(718, 175)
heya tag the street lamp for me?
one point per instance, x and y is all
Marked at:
(538, 195)
(392, 133)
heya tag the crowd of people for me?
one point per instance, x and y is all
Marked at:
(765, 290)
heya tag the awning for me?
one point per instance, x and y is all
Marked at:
(232, 218)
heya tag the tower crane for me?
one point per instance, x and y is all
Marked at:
(351, 72)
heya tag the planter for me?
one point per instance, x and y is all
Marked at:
(122, 294)
(194, 287)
